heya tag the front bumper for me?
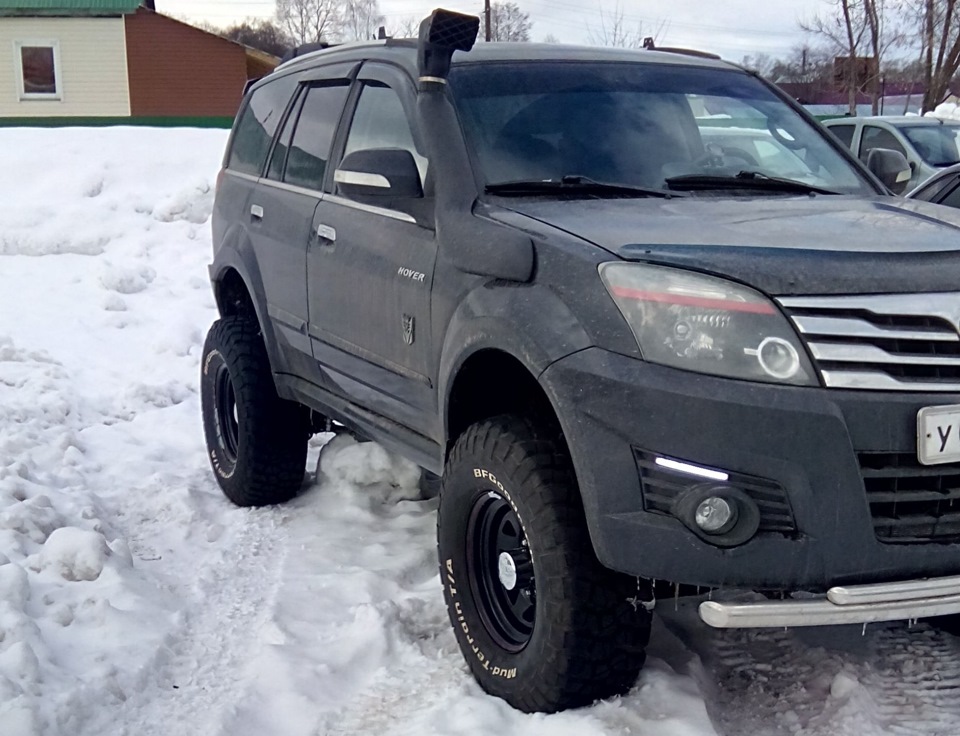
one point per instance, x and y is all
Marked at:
(860, 604)
(807, 440)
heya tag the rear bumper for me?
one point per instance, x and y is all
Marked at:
(859, 604)
(809, 441)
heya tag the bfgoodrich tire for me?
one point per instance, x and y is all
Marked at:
(257, 442)
(540, 622)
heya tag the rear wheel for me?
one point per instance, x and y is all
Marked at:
(257, 442)
(540, 622)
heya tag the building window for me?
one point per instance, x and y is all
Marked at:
(38, 66)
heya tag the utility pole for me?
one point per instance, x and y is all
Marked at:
(486, 16)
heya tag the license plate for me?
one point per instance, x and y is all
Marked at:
(938, 434)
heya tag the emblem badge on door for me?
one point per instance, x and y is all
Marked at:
(408, 329)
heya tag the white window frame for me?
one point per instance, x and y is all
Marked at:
(22, 93)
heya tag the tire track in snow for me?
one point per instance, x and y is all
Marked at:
(833, 681)
(196, 679)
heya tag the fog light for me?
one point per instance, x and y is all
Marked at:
(715, 515)
(778, 358)
(720, 514)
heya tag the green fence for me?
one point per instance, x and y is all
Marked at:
(101, 122)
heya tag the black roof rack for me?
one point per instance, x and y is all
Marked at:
(306, 48)
(649, 45)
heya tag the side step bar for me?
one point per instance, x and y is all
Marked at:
(852, 604)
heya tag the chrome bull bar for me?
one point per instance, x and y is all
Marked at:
(850, 604)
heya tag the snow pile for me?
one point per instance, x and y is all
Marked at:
(945, 111)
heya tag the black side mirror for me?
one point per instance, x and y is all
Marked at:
(379, 172)
(891, 168)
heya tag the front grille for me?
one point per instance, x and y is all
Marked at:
(898, 342)
(662, 486)
(910, 502)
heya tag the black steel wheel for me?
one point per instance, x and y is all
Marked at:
(540, 622)
(500, 570)
(225, 408)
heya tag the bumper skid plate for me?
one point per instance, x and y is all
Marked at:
(852, 604)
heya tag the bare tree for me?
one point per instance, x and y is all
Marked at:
(762, 64)
(939, 25)
(550, 38)
(860, 32)
(615, 31)
(309, 21)
(360, 20)
(408, 27)
(259, 34)
(509, 23)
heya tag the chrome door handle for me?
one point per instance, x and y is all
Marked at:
(256, 212)
(325, 232)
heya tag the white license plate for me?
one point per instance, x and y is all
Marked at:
(938, 434)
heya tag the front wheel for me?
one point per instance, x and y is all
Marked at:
(540, 622)
(256, 441)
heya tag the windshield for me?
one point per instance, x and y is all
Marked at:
(638, 125)
(935, 144)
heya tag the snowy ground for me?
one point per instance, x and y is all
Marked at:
(135, 600)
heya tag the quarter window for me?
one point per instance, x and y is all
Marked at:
(310, 148)
(380, 122)
(258, 124)
(39, 70)
(844, 133)
(874, 137)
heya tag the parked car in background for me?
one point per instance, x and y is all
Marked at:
(942, 188)
(929, 144)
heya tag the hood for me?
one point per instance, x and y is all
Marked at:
(783, 245)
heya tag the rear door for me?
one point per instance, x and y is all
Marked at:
(371, 272)
(283, 205)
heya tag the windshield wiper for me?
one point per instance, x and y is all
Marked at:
(742, 180)
(574, 185)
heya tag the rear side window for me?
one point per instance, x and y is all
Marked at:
(310, 148)
(844, 133)
(258, 124)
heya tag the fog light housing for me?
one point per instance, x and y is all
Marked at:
(719, 514)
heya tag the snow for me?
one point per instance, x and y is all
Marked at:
(134, 599)
(945, 111)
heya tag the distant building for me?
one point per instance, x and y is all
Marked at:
(117, 59)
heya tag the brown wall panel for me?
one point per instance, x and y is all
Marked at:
(177, 70)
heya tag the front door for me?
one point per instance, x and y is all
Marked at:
(370, 272)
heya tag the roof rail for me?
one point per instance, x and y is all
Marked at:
(649, 45)
(306, 48)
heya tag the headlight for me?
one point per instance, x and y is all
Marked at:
(706, 324)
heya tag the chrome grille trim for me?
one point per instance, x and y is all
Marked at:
(889, 342)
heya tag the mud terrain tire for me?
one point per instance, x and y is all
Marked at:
(257, 442)
(550, 628)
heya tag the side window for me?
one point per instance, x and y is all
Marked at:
(931, 192)
(874, 137)
(278, 159)
(952, 199)
(316, 126)
(380, 122)
(844, 133)
(257, 126)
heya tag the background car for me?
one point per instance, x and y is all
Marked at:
(942, 188)
(929, 144)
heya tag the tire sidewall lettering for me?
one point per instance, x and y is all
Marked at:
(462, 626)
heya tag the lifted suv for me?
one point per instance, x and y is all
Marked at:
(646, 319)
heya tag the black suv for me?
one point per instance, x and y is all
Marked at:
(645, 317)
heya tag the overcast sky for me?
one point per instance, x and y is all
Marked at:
(732, 28)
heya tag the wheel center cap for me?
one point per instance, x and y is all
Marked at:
(507, 569)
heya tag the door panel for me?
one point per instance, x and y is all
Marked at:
(369, 286)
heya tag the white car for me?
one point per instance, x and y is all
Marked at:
(929, 144)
